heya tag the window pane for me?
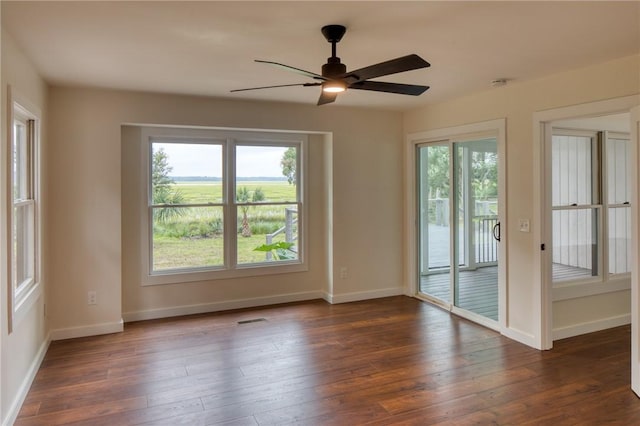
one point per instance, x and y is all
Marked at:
(23, 244)
(619, 240)
(269, 173)
(618, 184)
(571, 171)
(273, 228)
(187, 237)
(575, 244)
(186, 173)
(20, 162)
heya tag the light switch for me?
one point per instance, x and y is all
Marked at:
(524, 225)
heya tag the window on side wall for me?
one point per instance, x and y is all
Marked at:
(222, 204)
(23, 219)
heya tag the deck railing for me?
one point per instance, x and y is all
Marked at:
(288, 229)
(486, 245)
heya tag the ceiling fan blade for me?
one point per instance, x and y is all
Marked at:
(293, 69)
(393, 66)
(381, 86)
(278, 85)
(327, 97)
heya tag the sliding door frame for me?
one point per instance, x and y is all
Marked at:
(496, 128)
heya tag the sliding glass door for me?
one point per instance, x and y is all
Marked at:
(459, 231)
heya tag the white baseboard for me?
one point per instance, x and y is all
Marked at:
(363, 295)
(16, 404)
(590, 327)
(521, 337)
(219, 306)
(87, 330)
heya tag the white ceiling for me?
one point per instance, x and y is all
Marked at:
(207, 48)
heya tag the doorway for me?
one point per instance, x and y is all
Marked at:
(569, 304)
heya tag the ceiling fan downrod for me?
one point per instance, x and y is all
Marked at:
(333, 34)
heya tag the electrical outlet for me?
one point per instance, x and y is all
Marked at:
(344, 273)
(92, 298)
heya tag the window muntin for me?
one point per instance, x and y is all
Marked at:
(208, 211)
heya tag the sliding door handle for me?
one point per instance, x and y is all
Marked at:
(496, 231)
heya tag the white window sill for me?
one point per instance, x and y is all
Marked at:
(255, 270)
(576, 289)
(24, 304)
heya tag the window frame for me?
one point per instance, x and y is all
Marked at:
(229, 139)
(607, 205)
(605, 281)
(597, 197)
(23, 295)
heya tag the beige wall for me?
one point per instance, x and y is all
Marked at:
(21, 349)
(360, 212)
(517, 102)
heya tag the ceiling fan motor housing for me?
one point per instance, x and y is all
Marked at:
(333, 67)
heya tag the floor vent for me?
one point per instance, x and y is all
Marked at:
(251, 321)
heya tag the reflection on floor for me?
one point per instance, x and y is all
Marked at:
(477, 290)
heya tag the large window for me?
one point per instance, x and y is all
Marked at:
(23, 218)
(222, 204)
(591, 211)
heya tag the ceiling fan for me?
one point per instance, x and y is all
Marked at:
(335, 78)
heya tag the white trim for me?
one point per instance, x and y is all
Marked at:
(23, 390)
(635, 249)
(176, 311)
(26, 302)
(542, 283)
(363, 295)
(87, 330)
(228, 139)
(520, 336)
(591, 326)
(21, 302)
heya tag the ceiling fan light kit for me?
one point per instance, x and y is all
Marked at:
(335, 79)
(334, 86)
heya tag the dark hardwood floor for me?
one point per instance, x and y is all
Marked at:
(386, 361)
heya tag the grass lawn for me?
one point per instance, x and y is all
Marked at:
(170, 253)
(188, 241)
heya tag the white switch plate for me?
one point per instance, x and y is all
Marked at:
(524, 225)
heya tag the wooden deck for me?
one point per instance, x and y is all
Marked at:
(478, 290)
(378, 362)
(564, 272)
